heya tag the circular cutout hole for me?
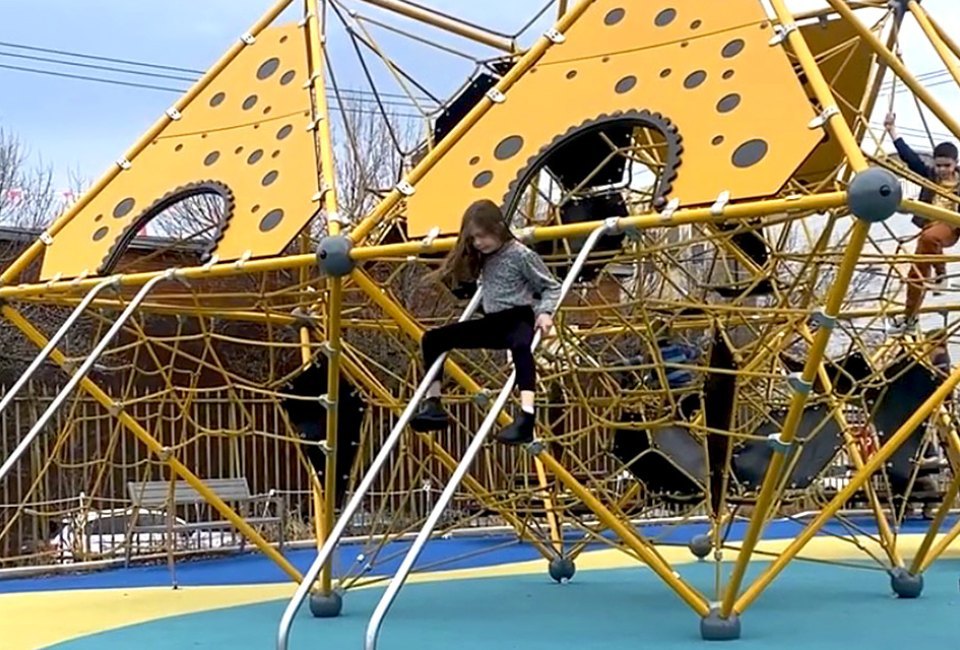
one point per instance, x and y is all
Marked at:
(283, 39)
(728, 103)
(101, 233)
(750, 153)
(179, 147)
(685, 44)
(733, 48)
(249, 102)
(694, 79)
(267, 68)
(508, 147)
(238, 150)
(211, 158)
(270, 178)
(717, 140)
(728, 74)
(217, 99)
(287, 77)
(123, 208)
(475, 160)
(614, 16)
(255, 157)
(482, 179)
(665, 73)
(626, 84)
(203, 136)
(271, 220)
(255, 209)
(267, 110)
(97, 218)
(284, 132)
(696, 24)
(275, 154)
(605, 59)
(571, 74)
(665, 17)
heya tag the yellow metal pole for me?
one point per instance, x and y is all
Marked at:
(887, 538)
(445, 23)
(154, 446)
(562, 8)
(842, 134)
(924, 557)
(525, 63)
(641, 222)
(934, 36)
(732, 212)
(901, 70)
(328, 188)
(945, 37)
(941, 546)
(17, 267)
(877, 461)
(629, 536)
(932, 212)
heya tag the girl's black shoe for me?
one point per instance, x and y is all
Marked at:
(430, 416)
(520, 432)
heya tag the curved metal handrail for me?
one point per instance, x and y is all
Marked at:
(85, 366)
(60, 333)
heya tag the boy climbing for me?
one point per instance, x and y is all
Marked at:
(935, 236)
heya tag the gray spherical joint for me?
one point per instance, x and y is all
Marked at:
(700, 546)
(905, 584)
(562, 569)
(326, 605)
(874, 195)
(715, 628)
(333, 256)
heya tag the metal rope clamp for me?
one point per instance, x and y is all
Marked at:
(798, 385)
(821, 319)
(778, 444)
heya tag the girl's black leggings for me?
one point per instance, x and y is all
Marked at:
(510, 329)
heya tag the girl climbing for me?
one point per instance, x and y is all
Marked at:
(519, 297)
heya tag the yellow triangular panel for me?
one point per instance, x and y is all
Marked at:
(740, 112)
(247, 134)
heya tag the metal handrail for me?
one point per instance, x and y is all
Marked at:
(326, 549)
(386, 601)
(49, 347)
(84, 367)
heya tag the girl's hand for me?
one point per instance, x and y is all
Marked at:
(544, 323)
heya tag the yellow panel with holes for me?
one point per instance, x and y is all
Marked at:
(845, 60)
(246, 137)
(739, 110)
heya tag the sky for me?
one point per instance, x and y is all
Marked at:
(82, 126)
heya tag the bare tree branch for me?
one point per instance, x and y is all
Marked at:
(27, 196)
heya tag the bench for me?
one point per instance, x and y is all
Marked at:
(168, 495)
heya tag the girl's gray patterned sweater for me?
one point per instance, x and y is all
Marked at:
(511, 276)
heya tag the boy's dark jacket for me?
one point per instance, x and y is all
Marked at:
(918, 166)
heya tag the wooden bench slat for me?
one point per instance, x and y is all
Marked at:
(202, 525)
(157, 493)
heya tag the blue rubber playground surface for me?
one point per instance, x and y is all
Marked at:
(496, 595)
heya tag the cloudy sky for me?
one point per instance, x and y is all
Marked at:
(83, 125)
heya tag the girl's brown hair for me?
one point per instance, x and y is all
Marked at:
(463, 263)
